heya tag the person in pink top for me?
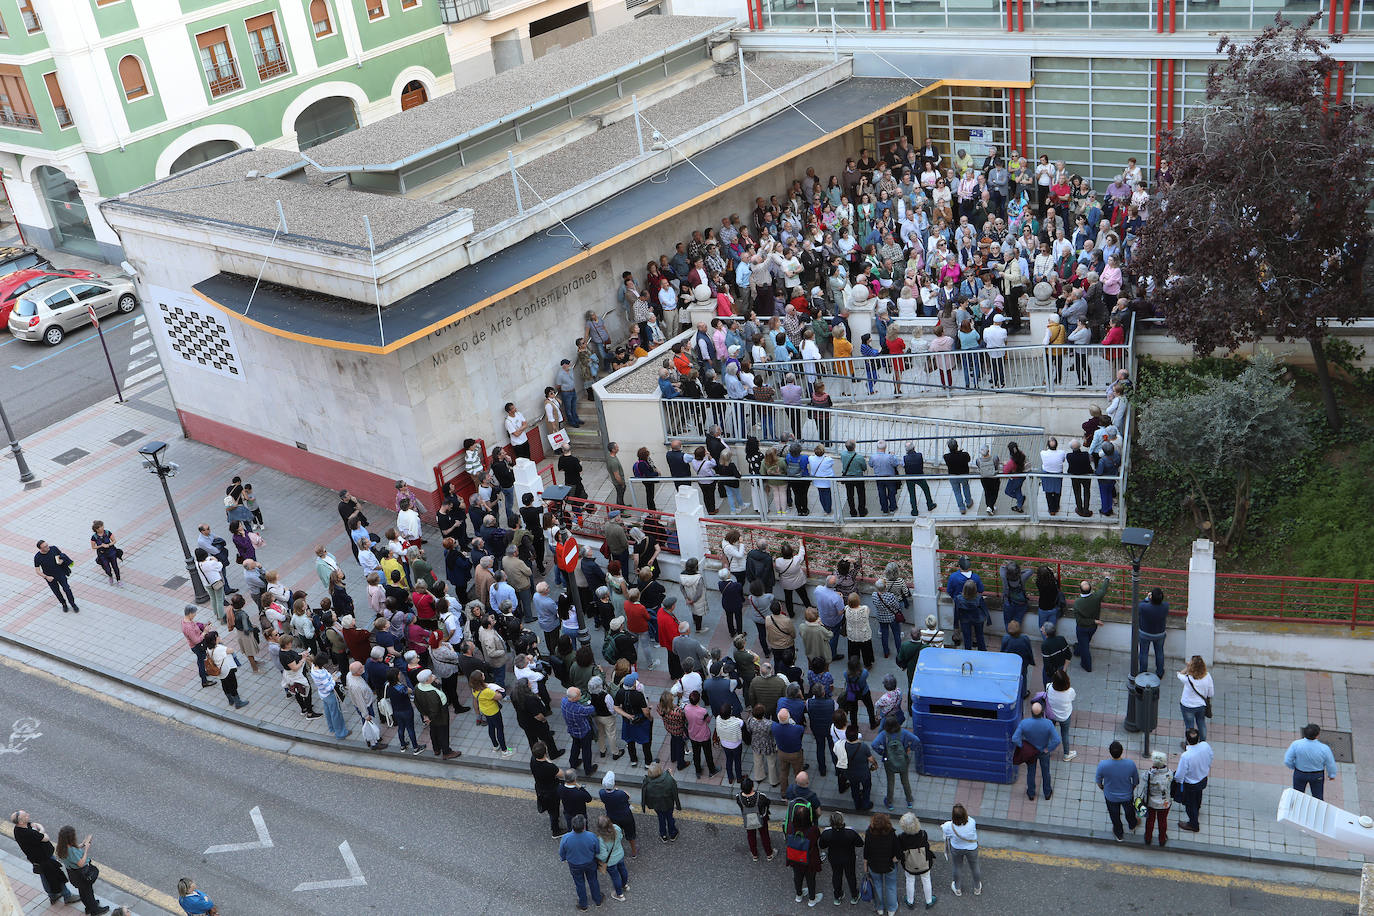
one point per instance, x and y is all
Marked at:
(195, 638)
(699, 731)
(1111, 277)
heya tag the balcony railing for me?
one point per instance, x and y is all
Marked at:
(64, 115)
(31, 23)
(18, 119)
(223, 77)
(271, 61)
(458, 10)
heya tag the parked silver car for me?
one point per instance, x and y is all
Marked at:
(49, 311)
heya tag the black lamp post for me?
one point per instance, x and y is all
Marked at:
(152, 461)
(25, 475)
(1136, 541)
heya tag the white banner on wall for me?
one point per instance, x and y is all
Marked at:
(195, 332)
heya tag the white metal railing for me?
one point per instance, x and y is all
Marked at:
(769, 422)
(995, 14)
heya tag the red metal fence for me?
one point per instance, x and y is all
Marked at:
(589, 519)
(1239, 596)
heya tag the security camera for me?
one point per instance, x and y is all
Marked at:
(657, 141)
(172, 468)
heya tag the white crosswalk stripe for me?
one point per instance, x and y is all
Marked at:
(140, 320)
(137, 377)
(140, 347)
(143, 361)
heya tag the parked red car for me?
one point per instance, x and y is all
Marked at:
(20, 282)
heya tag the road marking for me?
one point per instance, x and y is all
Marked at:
(61, 350)
(143, 360)
(128, 885)
(355, 874)
(264, 840)
(140, 320)
(141, 345)
(1305, 892)
(142, 376)
(21, 733)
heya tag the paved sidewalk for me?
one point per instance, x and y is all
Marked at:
(136, 630)
(29, 894)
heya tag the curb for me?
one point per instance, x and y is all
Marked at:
(458, 768)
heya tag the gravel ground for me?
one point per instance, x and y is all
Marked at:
(472, 106)
(584, 159)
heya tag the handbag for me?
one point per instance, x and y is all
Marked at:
(1176, 790)
(1207, 701)
(866, 888)
(89, 873)
(385, 712)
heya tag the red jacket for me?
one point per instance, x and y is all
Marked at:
(1116, 335)
(359, 645)
(636, 617)
(667, 629)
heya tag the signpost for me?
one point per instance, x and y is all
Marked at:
(95, 322)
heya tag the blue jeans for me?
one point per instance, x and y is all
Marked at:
(835, 641)
(1012, 611)
(333, 716)
(970, 370)
(1156, 640)
(1194, 717)
(962, 497)
(1085, 638)
(1064, 733)
(887, 495)
(620, 876)
(733, 757)
(1303, 780)
(582, 751)
(569, 399)
(1106, 492)
(496, 730)
(885, 890)
(893, 627)
(825, 494)
(1014, 490)
(1043, 761)
(667, 824)
(405, 725)
(972, 630)
(584, 876)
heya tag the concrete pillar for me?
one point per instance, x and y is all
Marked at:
(688, 513)
(860, 314)
(1039, 312)
(527, 480)
(702, 307)
(1200, 637)
(925, 570)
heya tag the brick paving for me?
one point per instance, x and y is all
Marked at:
(136, 630)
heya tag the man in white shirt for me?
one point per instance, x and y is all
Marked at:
(811, 354)
(366, 558)
(995, 341)
(1194, 765)
(1052, 463)
(517, 429)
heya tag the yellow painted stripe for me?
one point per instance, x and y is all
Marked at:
(511, 792)
(596, 249)
(128, 885)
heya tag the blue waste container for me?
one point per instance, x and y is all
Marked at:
(967, 704)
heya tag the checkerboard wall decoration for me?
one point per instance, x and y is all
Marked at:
(200, 338)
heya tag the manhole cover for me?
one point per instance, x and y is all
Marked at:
(1341, 744)
(175, 582)
(128, 438)
(74, 454)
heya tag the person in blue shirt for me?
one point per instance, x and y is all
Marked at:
(1311, 761)
(1117, 779)
(579, 849)
(1154, 612)
(820, 712)
(897, 748)
(788, 737)
(193, 902)
(1044, 737)
(954, 585)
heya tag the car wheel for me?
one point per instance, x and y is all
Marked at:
(53, 335)
(127, 303)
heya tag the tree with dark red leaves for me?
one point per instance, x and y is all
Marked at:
(1263, 230)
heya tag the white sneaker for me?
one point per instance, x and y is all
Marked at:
(800, 898)
(815, 900)
(954, 887)
(1070, 755)
(977, 889)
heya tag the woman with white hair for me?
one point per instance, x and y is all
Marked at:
(1154, 788)
(917, 858)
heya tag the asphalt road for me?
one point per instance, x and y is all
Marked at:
(156, 795)
(43, 385)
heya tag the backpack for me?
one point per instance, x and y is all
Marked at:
(1016, 591)
(793, 806)
(851, 689)
(918, 859)
(798, 848)
(608, 648)
(896, 753)
(211, 668)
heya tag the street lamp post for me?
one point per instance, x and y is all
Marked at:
(1136, 541)
(25, 475)
(152, 460)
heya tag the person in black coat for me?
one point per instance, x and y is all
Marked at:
(732, 602)
(573, 797)
(38, 849)
(842, 843)
(758, 567)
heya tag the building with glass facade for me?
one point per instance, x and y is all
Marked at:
(1089, 82)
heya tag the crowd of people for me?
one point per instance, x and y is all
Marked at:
(800, 473)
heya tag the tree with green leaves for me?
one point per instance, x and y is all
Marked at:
(1231, 430)
(1263, 230)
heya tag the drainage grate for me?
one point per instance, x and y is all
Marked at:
(1342, 745)
(128, 438)
(74, 454)
(175, 582)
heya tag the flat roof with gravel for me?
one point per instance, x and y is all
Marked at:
(469, 107)
(221, 192)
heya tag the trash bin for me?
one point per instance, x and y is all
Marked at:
(1142, 703)
(966, 706)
